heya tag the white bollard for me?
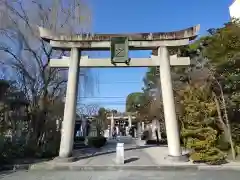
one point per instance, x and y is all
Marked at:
(106, 133)
(143, 126)
(120, 153)
(135, 133)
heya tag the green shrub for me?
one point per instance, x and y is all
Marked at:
(212, 158)
(153, 142)
(237, 150)
(14, 149)
(10, 150)
(96, 142)
(222, 144)
(199, 130)
(48, 150)
(5, 151)
(164, 135)
(81, 138)
(30, 150)
(145, 135)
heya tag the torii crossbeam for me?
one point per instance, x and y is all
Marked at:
(87, 62)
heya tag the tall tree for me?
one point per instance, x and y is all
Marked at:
(134, 101)
(222, 48)
(26, 56)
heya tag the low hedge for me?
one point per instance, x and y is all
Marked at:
(164, 135)
(153, 142)
(223, 144)
(96, 142)
(145, 135)
(80, 138)
(11, 150)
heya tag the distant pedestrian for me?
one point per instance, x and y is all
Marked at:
(114, 133)
(132, 131)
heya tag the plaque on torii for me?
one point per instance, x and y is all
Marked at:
(119, 50)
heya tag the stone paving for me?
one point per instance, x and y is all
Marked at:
(132, 157)
(129, 143)
(121, 175)
(136, 158)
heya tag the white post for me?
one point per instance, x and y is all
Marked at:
(129, 124)
(129, 121)
(84, 124)
(109, 131)
(139, 130)
(173, 135)
(135, 132)
(120, 153)
(143, 126)
(69, 119)
(112, 125)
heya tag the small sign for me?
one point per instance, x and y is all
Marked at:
(119, 50)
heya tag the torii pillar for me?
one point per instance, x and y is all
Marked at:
(171, 122)
(68, 124)
(129, 121)
(112, 124)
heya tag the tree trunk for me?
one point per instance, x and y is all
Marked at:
(226, 126)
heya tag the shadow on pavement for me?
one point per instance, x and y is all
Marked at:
(99, 152)
(4, 173)
(129, 160)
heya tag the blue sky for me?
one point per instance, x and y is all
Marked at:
(125, 16)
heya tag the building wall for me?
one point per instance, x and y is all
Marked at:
(234, 9)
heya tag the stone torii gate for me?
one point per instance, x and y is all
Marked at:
(119, 44)
(112, 118)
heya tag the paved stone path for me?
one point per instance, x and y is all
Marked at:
(122, 175)
(132, 157)
(109, 147)
(136, 158)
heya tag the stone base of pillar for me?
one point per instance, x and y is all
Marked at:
(64, 159)
(140, 143)
(182, 158)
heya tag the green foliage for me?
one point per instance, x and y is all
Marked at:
(102, 121)
(223, 144)
(17, 149)
(223, 44)
(236, 133)
(215, 59)
(161, 142)
(44, 88)
(51, 147)
(102, 112)
(134, 100)
(79, 139)
(238, 149)
(99, 124)
(198, 124)
(96, 142)
(151, 79)
(222, 48)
